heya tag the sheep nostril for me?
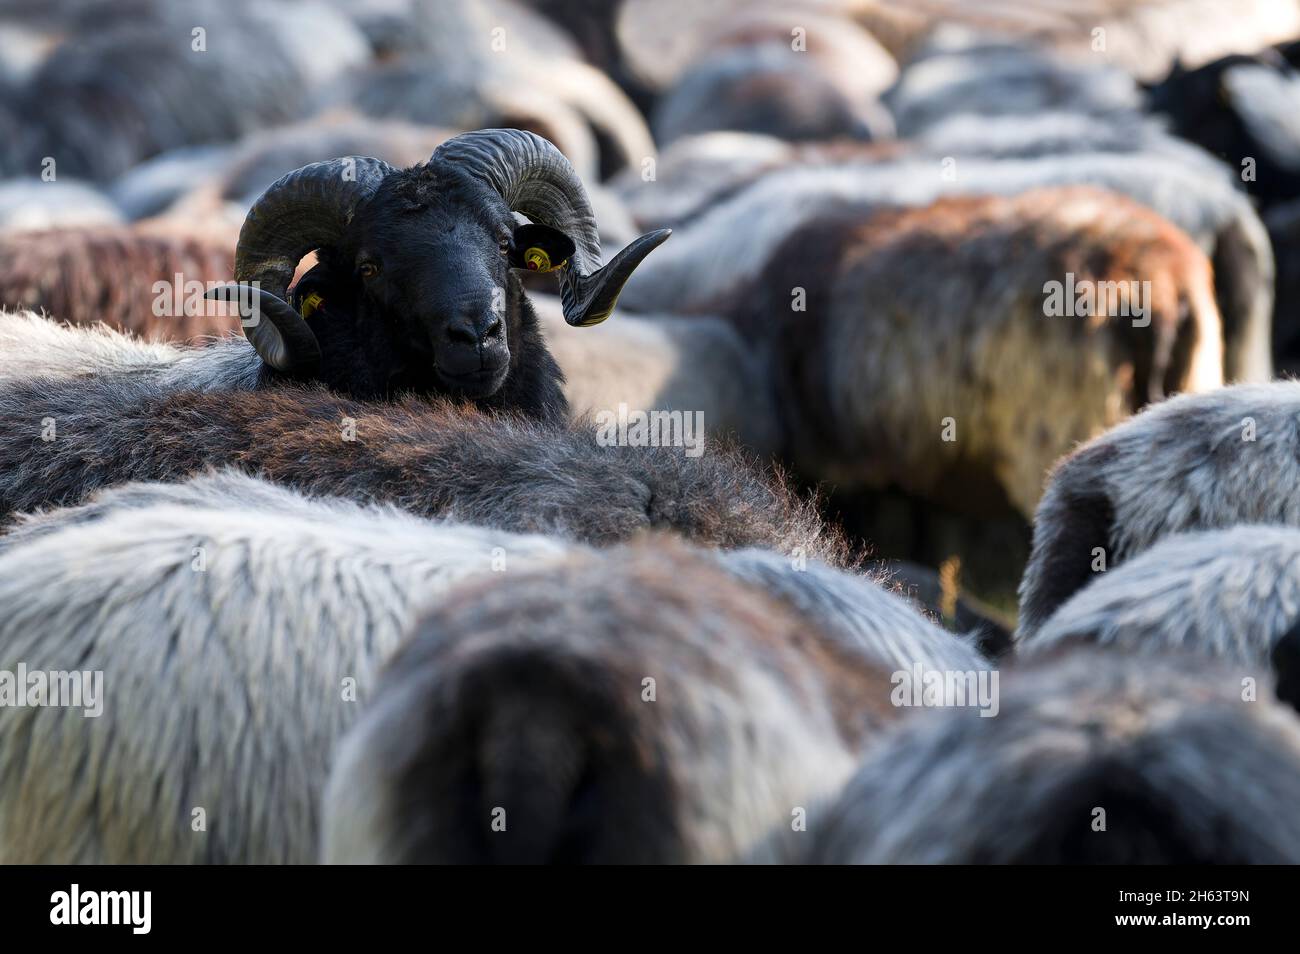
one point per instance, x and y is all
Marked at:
(463, 336)
(493, 330)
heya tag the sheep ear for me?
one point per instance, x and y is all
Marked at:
(277, 332)
(312, 290)
(540, 248)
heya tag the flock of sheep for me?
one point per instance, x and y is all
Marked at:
(349, 357)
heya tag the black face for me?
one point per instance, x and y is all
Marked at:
(430, 261)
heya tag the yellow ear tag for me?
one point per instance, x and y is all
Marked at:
(311, 303)
(538, 261)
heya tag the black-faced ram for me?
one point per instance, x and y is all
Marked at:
(415, 288)
(415, 283)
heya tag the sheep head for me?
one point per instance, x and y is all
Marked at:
(421, 259)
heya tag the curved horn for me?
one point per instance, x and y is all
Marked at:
(301, 211)
(534, 178)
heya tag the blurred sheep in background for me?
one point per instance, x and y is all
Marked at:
(1230, 594)
(1094, 758)
(878, 207)
(100, 274)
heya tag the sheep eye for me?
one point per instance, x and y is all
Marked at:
(504, 246)
(368, 269)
